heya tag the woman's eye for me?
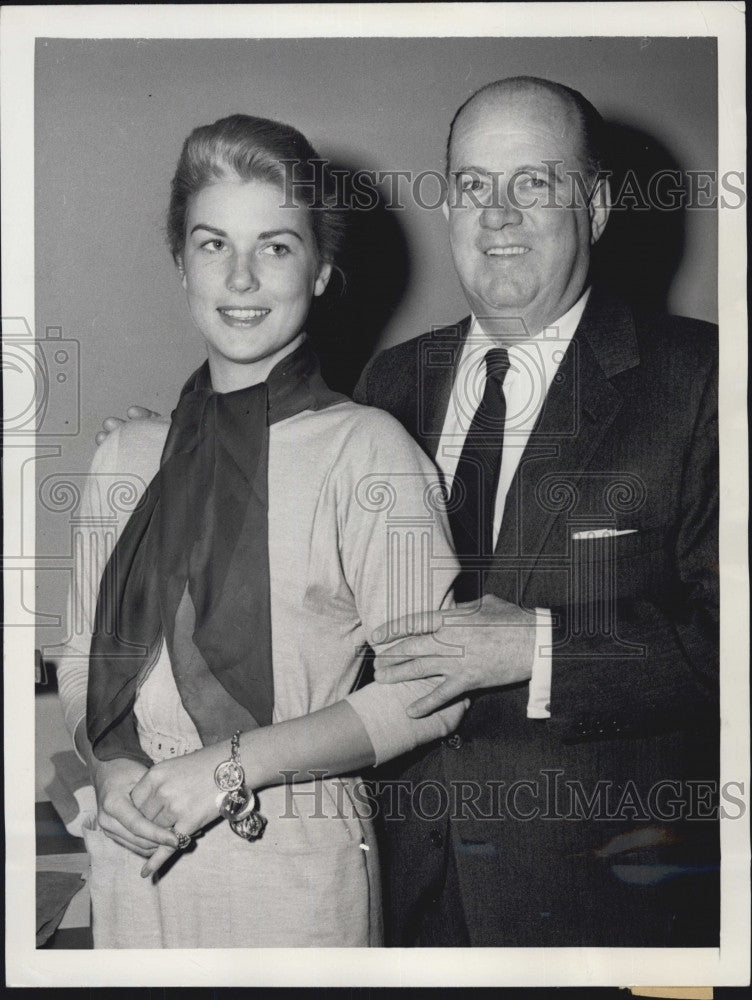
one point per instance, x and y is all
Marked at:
(276, 250)
(213, 246)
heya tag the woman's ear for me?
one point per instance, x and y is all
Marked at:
(322, 280)
(181, 269)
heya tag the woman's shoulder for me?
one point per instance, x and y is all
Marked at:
(133, 445)
(370, 433)
(370, 422)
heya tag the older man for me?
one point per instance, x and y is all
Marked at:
(576, 805)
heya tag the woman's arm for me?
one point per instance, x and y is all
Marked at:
(181, 792)
(100, 522)
(371, 724)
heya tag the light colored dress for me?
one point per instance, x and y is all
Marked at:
(355, 540)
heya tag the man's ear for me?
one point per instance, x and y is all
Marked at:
(181, 268)
(599, 209)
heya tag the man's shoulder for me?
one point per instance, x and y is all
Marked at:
(681, 352)
(445, 336)
(662, 331)
(626, 333)
(403, 360)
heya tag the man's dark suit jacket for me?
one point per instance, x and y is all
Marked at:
(627, 439)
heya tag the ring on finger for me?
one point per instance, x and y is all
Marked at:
(184, 839)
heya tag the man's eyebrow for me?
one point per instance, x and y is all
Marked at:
(543, 167)
(471, 169)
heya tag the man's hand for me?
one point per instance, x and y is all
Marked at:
(117, 816)
(179, 793)
(133, 413)
(472, 647)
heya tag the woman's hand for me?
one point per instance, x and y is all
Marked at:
(179, 793)
(117, 816)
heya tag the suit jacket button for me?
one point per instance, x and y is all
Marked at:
(436, 838)
(454, 742)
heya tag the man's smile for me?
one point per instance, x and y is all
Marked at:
(515, 251)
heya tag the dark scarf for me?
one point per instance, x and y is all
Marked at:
(192, 565)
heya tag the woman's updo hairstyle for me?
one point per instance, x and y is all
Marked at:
(257, 149)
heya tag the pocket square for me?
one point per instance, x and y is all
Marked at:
(602, 533)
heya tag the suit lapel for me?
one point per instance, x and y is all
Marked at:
(580, 407)
(439, 354)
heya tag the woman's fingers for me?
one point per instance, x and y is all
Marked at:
(116, 831)
(156, 861)
(136, 823)
(144, 852)
(149, 798)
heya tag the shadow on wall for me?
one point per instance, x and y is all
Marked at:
(346, 322)
(642, 247)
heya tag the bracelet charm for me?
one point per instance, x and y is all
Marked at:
(234, 803)
(229, 775)
(250, 827)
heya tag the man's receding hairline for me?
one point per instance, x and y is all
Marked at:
(517, 85)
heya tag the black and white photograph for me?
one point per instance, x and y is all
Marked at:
(375, 490)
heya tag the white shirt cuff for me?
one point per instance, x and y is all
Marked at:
(539, 698)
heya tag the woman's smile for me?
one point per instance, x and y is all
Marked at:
(242, 316)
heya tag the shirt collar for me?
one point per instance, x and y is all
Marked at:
(550, 343)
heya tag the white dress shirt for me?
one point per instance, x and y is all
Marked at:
(532, 365)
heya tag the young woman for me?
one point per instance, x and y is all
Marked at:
(224, 651)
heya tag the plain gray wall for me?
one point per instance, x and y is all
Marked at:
(111, 117)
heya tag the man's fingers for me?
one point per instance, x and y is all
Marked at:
(438, 698)
(156, 861)
(112, 423)
(410, 646)
(140, 413)
(408, 671)
(417, 624)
